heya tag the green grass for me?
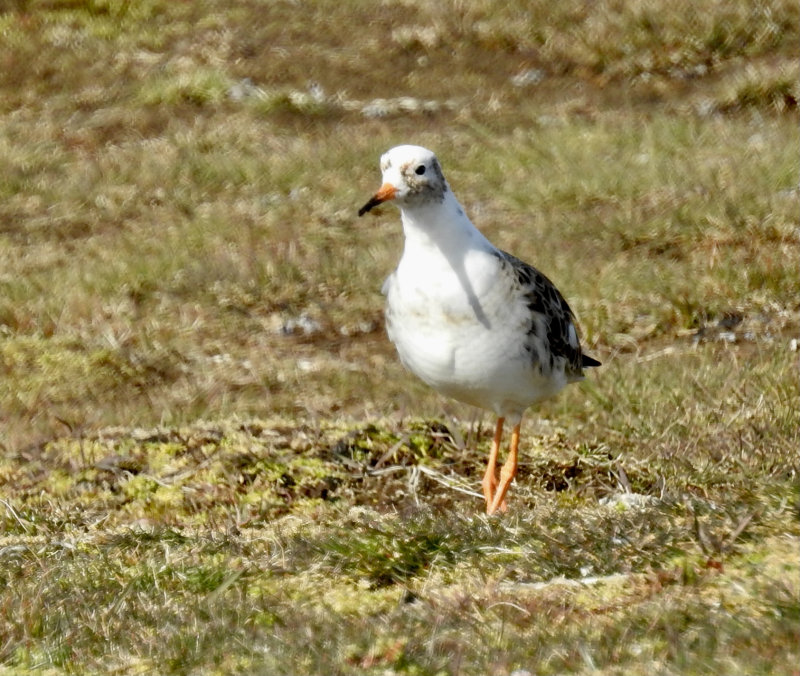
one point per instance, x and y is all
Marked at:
(212, 460)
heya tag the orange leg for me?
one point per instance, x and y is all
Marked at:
(506, 474)
(489, 479)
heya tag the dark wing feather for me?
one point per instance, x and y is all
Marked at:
(544, 299)
(589, 362)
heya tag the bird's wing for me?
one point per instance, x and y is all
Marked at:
(550, 315)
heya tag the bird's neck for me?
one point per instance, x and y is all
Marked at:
(442, 226)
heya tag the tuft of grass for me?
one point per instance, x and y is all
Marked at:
(763, 89)
(196, 86)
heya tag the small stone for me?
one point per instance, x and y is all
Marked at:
(526, 78)
(242, 90)
(624, 501)
(307, 366)
(376, 108)
(316, 92)
(302, 324)
(300, 443)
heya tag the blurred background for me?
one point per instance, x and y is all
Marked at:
(178, 230)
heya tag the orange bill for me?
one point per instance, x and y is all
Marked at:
(386, 192)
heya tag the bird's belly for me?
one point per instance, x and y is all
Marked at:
(461, 357)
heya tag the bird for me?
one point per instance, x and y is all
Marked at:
(472, 321)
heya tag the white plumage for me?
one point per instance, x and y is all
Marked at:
(472, 321)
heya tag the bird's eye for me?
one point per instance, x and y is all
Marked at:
(420, 170)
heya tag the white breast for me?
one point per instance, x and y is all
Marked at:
(458, 325)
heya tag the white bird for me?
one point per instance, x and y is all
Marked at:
(474, 322)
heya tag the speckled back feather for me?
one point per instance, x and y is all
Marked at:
(546, 302)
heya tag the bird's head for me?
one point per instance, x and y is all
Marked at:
(411, 177)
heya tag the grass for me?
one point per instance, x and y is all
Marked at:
(212, 461)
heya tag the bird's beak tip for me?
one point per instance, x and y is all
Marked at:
(386, 192)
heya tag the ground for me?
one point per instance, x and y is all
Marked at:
(212, 461)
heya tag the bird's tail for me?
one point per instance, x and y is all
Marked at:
(588, 362)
